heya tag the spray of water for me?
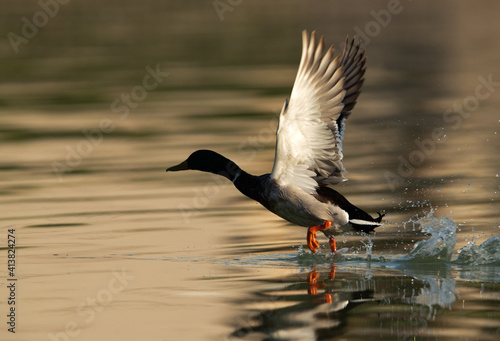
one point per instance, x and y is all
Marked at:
(439, 246)
(488, 253)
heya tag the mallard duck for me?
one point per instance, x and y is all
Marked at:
(308, 156)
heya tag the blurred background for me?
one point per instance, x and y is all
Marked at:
(87, 53)
(98, 98)
(225, 64)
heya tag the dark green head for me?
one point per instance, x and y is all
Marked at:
(208, 161)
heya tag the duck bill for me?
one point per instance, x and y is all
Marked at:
(179, 167)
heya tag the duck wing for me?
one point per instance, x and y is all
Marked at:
(311, 124)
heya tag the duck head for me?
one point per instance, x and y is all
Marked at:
(208, 161)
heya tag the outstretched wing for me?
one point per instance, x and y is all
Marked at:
(311, 124)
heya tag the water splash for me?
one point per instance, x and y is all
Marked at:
(439, 247)
(488, 253)
(368, 244)
(306, 257)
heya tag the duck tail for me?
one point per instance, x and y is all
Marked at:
(379, 218)
(366, 225)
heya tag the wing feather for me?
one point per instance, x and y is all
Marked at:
(311, 125)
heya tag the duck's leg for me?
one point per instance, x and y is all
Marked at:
(312, 240)
(332, 244)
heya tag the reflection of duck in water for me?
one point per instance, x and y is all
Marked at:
(312, 281)
(352, 304)
(289, 313)
(308, 159)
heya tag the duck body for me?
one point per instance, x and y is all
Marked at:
(289, 202)
(308, 156)
(292, 204)
(297, 207)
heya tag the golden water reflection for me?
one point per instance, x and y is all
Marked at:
(112, 247)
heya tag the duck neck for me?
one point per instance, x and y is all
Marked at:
(230, 171)
(250, 185)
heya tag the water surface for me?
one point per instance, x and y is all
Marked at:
(111, 247)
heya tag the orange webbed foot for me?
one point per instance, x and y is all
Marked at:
(312, 240)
